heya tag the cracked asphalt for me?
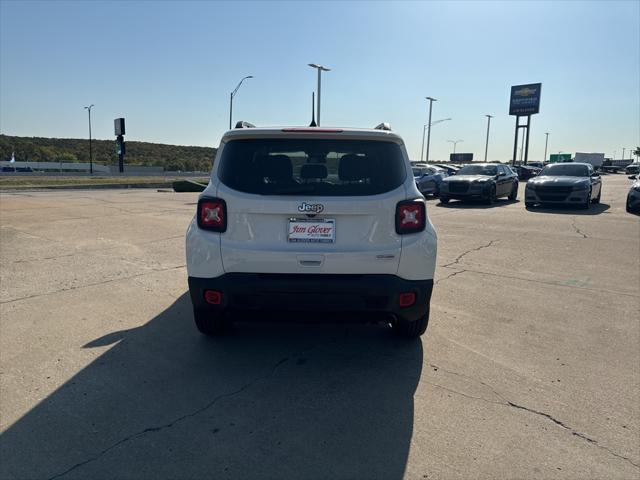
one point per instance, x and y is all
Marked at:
(530, 367)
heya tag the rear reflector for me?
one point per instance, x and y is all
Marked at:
(312, 130)
(212, 214)
(407, 299)
(410, 216)
(213, 297)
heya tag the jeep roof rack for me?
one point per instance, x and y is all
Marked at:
(242, 124)
(383, 126)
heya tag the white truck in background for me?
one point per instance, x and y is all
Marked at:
(595, 159)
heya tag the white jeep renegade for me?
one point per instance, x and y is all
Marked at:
(323, 221)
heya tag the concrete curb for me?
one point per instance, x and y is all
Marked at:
(88, 187)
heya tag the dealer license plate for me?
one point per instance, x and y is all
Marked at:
(309, 230)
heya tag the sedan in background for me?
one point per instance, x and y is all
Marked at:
(633, 197)
(484, 181)
(450, 169)
(565, 183)
(632, 168)
(525, 172)
(428, 178)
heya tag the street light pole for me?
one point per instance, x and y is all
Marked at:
(455, 142)
(486, 147)
(424, 128)
(546, 142)
(623, 149)
(90, 146)
(320, 69)
(233, 94)
(431, 100)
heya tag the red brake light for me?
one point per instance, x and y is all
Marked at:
(410, 216)
(213, 297)
(212, 214)
(407, 299)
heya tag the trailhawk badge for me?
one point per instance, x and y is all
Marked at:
(311, 208)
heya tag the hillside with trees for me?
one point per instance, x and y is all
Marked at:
(171, 157)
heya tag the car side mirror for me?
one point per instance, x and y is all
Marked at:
(501, 174)
(631, 177)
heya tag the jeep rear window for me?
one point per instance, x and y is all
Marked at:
(312, 167)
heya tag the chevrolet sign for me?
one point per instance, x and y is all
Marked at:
(525, 99)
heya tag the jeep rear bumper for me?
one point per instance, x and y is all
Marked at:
(314, 294)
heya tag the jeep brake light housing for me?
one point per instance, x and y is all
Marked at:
(212, 214)
(411, 216)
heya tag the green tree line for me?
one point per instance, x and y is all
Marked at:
(171, 157)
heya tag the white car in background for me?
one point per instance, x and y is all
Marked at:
(320, 221)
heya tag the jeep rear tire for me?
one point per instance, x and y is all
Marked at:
(411, 329)
(212, 324)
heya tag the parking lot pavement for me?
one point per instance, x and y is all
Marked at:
(530, 367)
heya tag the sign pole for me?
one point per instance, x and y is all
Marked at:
(119, 131)
(515, 142)
(526, 148)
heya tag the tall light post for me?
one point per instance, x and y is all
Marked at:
(424, 128)
(623, 149)
(233, 94)
(455, 142)
(431, 100)
(320, 69)
(90, 147)
(486, 146)
(546, 142)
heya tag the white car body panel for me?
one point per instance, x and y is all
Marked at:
(256, 237)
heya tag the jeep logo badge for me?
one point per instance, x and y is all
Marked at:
(311, 208)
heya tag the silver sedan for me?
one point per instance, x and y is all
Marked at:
(565, 183)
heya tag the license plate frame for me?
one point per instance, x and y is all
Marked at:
(302, 233)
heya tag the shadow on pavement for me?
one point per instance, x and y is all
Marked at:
(269, 401)
(594, 209)
(476, 204)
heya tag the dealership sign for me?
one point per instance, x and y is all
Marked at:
(461, 157)
(525, 99)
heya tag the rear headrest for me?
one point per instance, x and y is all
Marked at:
(313, 171)
(277, 168)
(354, 167)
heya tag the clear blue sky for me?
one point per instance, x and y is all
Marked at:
(168, 67)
